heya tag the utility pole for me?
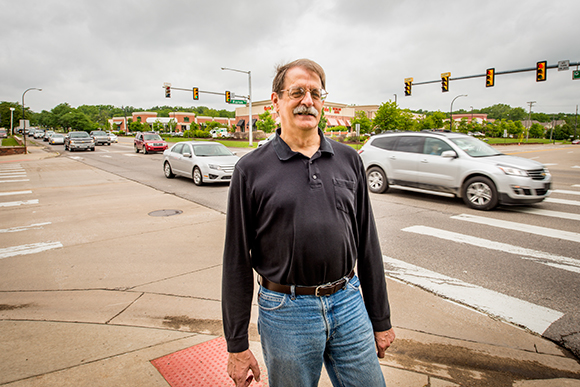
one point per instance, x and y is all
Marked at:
(529, 120)
(576, 122)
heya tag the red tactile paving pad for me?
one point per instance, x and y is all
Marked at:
(201, 365)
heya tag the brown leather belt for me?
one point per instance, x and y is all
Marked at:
(319, 291)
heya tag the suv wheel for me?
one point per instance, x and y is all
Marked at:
(377, 180)
(480, 193)
(197, 177)
(136, 149)
(167, 170)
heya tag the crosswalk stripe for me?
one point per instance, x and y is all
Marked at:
(557, 261)
(505, 224)
(15, 193)
(28, 249)
(566, 192)
(562, 201)
(523, 313)
(18, 203)
(24, 228)
(13, 181)
(542, 212)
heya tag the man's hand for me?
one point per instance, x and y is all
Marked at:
(383, 340)
(238, 366)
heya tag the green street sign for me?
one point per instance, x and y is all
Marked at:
(576, 74)
(238, 101)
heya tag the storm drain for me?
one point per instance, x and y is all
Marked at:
(165, 212)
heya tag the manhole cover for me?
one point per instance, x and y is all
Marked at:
(165, 212)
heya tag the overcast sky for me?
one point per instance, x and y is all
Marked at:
(121, 52)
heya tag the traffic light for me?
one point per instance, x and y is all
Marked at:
(490, 77)
(228, 97)
(195, 93)
(167, 91)
(408, 84)
(445, 82)
(541, 71)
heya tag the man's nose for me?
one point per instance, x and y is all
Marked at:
(307, 99)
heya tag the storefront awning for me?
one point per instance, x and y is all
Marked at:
(332, 121)
(241, 123)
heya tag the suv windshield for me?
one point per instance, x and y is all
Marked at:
(152, 137)
(97, 133)
(474, 147)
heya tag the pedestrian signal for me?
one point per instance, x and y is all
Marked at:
(541, 71)
(490, 78)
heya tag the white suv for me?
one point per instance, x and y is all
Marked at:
(453, 163)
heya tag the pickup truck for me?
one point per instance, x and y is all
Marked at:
(100, 137)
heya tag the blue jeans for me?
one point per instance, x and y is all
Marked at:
(300, 333)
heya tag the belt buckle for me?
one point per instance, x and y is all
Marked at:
(316, 291)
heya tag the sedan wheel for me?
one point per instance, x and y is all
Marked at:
(480, 193)
(197, 176)
(167, 169)
(377, 180)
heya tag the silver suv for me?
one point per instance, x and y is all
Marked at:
(453, 163)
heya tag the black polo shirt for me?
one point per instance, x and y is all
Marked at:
(299, 221)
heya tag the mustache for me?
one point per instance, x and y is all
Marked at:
(302, 109)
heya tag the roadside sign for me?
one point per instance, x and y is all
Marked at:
(576, 74)
(563, 65)
(238, 101)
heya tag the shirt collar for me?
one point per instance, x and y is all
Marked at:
(284, 152)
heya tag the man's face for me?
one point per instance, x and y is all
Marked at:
(291, 118)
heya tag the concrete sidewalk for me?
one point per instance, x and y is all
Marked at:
(127, 288)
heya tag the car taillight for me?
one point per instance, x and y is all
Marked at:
(360, 151)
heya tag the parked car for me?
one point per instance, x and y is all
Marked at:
(100, 137)
(3, 133)
(149, 142)
(112, 137)
(265, 141)
(47, 134)
(78, 140)
(204, 162)
(453, 163)
(56, 139)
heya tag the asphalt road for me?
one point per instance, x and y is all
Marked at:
(521, 264)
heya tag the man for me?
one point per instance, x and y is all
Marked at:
(299, 215)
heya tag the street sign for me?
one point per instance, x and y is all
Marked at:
(563, 65)
(238, 101)
(576, 74)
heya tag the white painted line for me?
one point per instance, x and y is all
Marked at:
(549, 164)
(110, 157)
(562, 201)
(18, 203)
(131, 154)
(576, 185)
(576, 166)
(553, 214)
(543, 231)
(15, 193)
(28, 249)
(566, 192)
(534, 317)
(13, 181)
(8, 174)
(24, 228)
(557, 261)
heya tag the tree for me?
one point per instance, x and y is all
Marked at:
(390, 117)
(266, 123)
(536, 131)
(323, 121)
(360, 117)
(438, 119)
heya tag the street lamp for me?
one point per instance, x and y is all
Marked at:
(12, 121)
(24, 118)
(249, 95)
(451, 112)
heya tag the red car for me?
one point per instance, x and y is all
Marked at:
(149, 142)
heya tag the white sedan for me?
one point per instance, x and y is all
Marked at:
(202, 161)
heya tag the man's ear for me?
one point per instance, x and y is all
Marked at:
(274, 98)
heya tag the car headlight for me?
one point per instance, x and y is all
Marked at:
(215, 166)
(513, 171)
